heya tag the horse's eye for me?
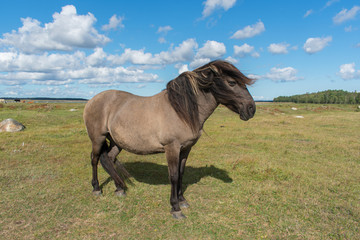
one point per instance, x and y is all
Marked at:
(232, 83)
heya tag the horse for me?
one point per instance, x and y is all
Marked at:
(169, 122)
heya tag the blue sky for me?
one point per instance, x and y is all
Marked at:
(80, 48)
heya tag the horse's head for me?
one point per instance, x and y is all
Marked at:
(229, 87)
(238, 99)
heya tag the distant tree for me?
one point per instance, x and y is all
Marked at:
(357, 98)
(324, 97)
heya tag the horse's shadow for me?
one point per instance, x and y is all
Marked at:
(156, 174)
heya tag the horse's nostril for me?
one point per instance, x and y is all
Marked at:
(252, 109)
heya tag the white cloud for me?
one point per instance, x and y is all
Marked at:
(245, 50)
(212, 5)
(182, 68)
(249, 31)
(346, 15)
(96, 68)
(162, 40)
(164, 29)
(19, 62)
(278, 48)
(329, 3)
(231, 60)
(132, 56)
(98, 58)
(348, 71)
(211, 49)
(308, 13)
(67, 31)
(287, 74)
(313, 45)
(199, 62)
(163, 32)
(182, 53)
(59, 69)
(114, 23)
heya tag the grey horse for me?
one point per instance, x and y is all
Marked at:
(170, 121)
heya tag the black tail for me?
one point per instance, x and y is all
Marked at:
(122, 170)
(109, 167)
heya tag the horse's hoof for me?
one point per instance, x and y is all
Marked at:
(184, 204)
(97, 193)
(120, 193)
(178, 215)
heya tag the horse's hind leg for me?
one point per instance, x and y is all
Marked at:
(97, 148)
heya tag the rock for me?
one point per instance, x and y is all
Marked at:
(11, 125)
(294, 108)
(73, 110)
(299, 116)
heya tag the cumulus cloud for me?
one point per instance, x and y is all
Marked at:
(278, 48)
(80, 72)
(182, 68)
(245, 50)
(67, 31)
(182, 53)
(231, 60)
(346, 15)
(114, 23)
(212, 5)
(95, 68)
(249, 31)
(132, 56)
(197, 62)
(313, 45)
(20, 62)
(98, 58)
(185, 51)
(348, 71)
(287, 74)
(211, 49)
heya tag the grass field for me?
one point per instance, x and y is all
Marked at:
(273, 177)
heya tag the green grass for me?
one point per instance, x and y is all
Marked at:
(273, 177)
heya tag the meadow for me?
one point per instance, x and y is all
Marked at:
(276, 176)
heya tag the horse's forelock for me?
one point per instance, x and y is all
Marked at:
(223, 68)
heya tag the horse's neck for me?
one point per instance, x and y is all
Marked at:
(207, 104)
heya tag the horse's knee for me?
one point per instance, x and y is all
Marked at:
(174, 178)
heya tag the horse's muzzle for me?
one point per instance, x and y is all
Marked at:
(248, 111)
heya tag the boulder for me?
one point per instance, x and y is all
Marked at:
(11, 125)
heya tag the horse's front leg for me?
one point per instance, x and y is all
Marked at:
(183, 157)
(173, 158)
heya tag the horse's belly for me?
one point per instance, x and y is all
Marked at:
(138, 144)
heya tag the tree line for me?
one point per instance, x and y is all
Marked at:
(324, 97)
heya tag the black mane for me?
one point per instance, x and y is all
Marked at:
(183, 90)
